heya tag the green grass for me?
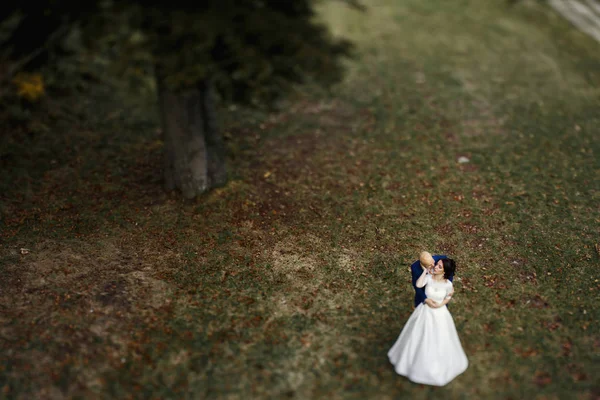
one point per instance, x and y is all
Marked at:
(292, 281)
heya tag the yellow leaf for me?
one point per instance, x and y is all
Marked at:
(29, 86)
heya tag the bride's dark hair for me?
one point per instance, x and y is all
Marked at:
(449, 267)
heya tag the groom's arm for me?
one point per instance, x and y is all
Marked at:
(416, 272)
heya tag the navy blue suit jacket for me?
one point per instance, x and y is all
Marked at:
(416, 272)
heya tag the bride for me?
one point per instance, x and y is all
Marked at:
(428, 349)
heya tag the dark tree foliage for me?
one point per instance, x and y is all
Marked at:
(33, 28)
(252, 51)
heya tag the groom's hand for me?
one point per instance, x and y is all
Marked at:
(431, 303)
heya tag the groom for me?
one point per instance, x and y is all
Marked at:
(428, 261)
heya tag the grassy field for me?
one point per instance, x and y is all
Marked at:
(292, 281)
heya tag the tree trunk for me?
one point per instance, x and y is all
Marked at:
(194, 149)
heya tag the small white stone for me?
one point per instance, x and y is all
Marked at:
(463, 160)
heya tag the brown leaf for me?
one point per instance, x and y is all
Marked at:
(536, 302)
(566, 348)
(526, 353)
(542, 378)
(579, 376)
(528, 277)
(305, 341)
(585, 325)
(576, 372)
(553, 324)
(493, 281)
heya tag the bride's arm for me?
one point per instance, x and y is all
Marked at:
(422, 279)
(448, 296)
(432, 303)
(446, 301)
(442, 303)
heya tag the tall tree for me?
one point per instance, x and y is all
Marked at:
(247, 51)
(243, 51)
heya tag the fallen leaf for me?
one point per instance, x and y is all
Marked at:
(542, 378)
(566, 348)
(579, 376)
(305, 342)
(526, 353)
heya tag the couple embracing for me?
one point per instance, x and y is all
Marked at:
(428, 349)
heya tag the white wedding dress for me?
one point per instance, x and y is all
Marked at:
(428, 349)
